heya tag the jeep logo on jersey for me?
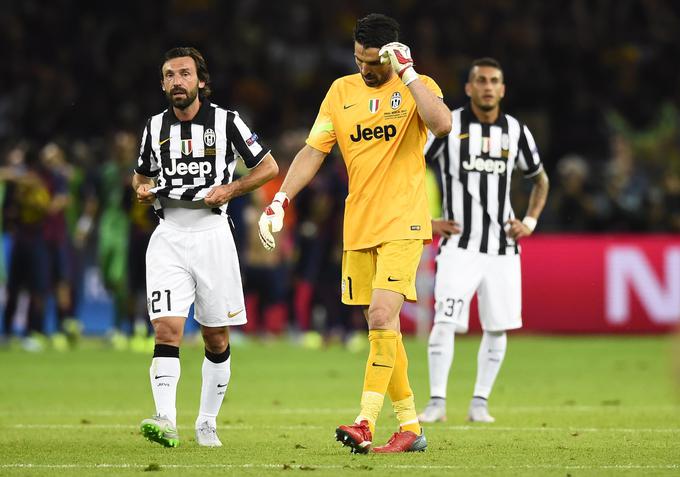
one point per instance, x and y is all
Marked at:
(479, 164)
(388, 131)
(200, 169)
(373, 105)
(186, 147)
(395, 101)
(209, 137)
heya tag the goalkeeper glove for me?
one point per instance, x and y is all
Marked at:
(271, 220)
(399, 56)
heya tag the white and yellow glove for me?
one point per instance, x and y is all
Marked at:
(399, 56)
(271, 220)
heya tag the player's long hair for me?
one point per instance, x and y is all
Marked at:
(376, 30)
(201, 66)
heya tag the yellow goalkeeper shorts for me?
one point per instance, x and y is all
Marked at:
(389, 266)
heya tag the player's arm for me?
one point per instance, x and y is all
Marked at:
(301, 172)
(265, 171)
(431, 109)
(539, 195)
(306, 164)
(141, 185)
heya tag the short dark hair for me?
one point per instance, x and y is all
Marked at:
(201, 66)
(376, 30)
(486, 61)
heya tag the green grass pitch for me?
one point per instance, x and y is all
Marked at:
(565, 406)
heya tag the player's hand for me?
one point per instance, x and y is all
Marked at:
(516, 229)
(218, 196)
(271, 220)
(445, 228)
(143, 194)
(399, 56)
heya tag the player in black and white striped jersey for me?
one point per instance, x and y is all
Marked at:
(185, 169)
(479, 252)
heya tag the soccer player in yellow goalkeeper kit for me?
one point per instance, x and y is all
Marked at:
(379, 118)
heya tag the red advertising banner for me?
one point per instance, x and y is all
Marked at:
(589, 284)
(601, 283)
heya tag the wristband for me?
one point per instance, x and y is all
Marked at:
(408, 75)
(530, 222)
(281, 197)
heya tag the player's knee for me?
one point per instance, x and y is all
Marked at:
(166, 333)
(216, 339)
(441, 331)
(380, 318)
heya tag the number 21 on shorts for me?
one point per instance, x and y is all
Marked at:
(155, 301)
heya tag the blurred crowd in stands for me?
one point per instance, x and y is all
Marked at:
(597, 82)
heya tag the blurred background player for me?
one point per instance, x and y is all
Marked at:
(57, 175)
(479, 252)
(114, 232)
(27, 211)
(379, 118)
(185, 169)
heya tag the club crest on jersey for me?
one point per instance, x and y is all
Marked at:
(373, 105)
(395, 101)
(209, 137)
(186, 147)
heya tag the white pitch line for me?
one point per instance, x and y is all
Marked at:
(128, 426)
(485, 427)
(371, 462)
(482, 427)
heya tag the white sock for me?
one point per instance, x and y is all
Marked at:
(440, 357)
(489, 360)
(215, 381)
(164, 374)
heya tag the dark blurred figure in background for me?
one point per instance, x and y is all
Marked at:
(28, 207)
(57, 173)
(574, 206)
(267, 283)
(318, 310)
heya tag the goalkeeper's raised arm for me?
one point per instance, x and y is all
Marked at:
(431, 108)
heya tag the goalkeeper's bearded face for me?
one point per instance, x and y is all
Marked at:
(373, 72)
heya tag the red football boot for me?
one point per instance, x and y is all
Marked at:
(404, 441)
(356, 436)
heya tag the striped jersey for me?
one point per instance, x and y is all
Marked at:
(188, 158)
(476, 162)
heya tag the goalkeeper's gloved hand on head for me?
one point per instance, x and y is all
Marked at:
(399, 56)
(271, 220)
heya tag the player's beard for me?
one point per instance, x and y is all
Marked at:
(371, 80)
(182, 102)
(374, 80)
(486, 107)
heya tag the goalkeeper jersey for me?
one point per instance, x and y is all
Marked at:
(381, 138)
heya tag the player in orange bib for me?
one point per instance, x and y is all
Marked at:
(379, 118)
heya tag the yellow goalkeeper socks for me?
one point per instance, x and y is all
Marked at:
(400, 392)
(379, 367)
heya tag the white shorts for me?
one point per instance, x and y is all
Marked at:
(199, 265)
(497, 280)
